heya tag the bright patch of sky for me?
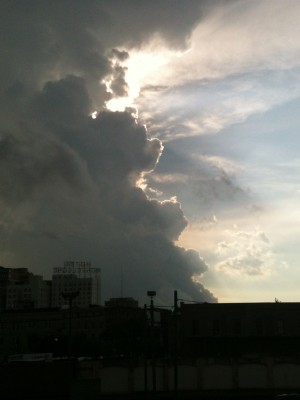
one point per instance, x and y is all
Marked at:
(227, 110)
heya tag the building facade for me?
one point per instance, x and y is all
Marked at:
(76, 281)
(33, 292)
(214, 329)
(20, 289)
(48, 330)
(122, 302)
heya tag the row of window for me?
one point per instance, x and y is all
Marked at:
(23, 295)
(68, 277)
(217, 327)
(13, 290)
(82, 323)
(71, 289)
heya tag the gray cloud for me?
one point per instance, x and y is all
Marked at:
(68, 181)
(204, 185)
(76, 200)
(119, 86)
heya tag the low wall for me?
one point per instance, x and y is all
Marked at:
(197, 375)
(120, 377)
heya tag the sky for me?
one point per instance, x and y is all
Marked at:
(158, 140)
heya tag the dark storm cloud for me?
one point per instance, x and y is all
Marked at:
(29, 162)
(119, 86)
(136, 21)
(68, 181)
(120, 55)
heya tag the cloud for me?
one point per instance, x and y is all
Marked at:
(242, 60)
(245, 253)
(212, 106)
(239, 36)
(228, 166)
(169, 178)
(205, 184)
(69, 180)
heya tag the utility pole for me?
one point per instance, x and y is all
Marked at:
(145, 358)
(70, 297)
(175, 343)
(152, 294)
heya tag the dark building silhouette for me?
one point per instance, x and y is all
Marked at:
(126, 302)
(20, 289)
(241, 348)
(212, 329)
(94, 331)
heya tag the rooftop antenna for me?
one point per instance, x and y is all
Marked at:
(277, 301)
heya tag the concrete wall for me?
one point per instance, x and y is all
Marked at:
(93, 377)
(217, 376)
(115, 380)
(252, 376)
(201, 374)
(286, 375)
(187, 377)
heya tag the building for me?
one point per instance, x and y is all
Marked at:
(48, 331)
(9, 276)
(122, 302)
(19, 289)
(76, 281)
(228, 329)
(94, 331)
(33, 292)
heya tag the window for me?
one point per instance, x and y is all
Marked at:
(280, 327)
(259, 326)
(216, 327)
(195, 326)
(237, 326)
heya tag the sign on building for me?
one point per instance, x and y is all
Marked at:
(78, 268)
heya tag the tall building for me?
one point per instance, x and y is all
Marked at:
(21, 289)
(76, 280)
(9, 276)
(33, 292)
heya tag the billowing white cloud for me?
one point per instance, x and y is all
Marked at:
(245, 253)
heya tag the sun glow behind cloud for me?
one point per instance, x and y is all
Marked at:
(234, 70)
(143, 67)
